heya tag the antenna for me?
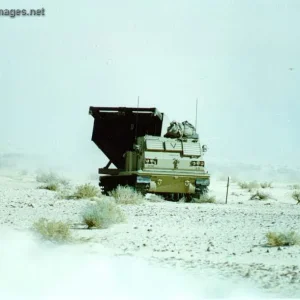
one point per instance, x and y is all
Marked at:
(196, 114)
(136, 121)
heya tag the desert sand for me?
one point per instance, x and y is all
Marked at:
(164, 250)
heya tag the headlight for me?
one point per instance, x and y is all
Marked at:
(150, 161)
(197, 163)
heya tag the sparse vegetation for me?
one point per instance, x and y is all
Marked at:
(103, 213)
(295, 186)
(127, 195)
(254, 185)
(282, 239)
(265, 185)
(258, 195)
(51, 181)
(248, 185)
(55, 231)
(296, 196)
(50, 187)
(205, 198)
(84, 191)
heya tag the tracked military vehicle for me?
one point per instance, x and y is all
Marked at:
(149, 153)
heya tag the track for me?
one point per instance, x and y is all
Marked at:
(109, 185)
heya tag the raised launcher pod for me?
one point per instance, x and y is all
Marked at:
(145, 156)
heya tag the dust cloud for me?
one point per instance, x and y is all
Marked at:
(32, 269)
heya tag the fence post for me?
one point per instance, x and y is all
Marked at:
(227, 189)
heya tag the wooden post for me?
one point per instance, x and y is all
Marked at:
(227, 189)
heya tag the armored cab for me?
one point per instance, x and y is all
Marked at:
(149, 154)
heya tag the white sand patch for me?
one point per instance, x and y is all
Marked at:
(164, 250)
(31, 270)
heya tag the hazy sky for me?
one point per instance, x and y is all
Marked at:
(234, 56)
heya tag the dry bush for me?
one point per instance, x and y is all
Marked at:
(103, 213)
(295, 186)
(243, 184)
(282, 239)
(84, 191)
(265, 185)
(258, 195)
(248, 185)
(52, 181)
(205, 198)
(50, 187)
(126, 195)
(46, 177)
(55, 231)
(296, 196)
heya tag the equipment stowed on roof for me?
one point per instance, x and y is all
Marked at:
(179, 130)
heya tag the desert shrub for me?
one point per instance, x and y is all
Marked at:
(52, 181)
(248, 185)
(242, 184)
(295, 186)
(127, 195)
(56, 231)
(84, 191)
(205, 198)
(103, 213)
(265, 185)
(296, 196)
(282, 239)
(258, 195)
(46, 177)
(50, 187)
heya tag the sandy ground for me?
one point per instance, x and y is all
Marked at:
(164, 250)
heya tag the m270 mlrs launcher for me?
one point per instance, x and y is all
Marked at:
(150, 154)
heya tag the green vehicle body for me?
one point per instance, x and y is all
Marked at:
(145, 157)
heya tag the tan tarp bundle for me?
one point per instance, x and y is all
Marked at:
(178, 130)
